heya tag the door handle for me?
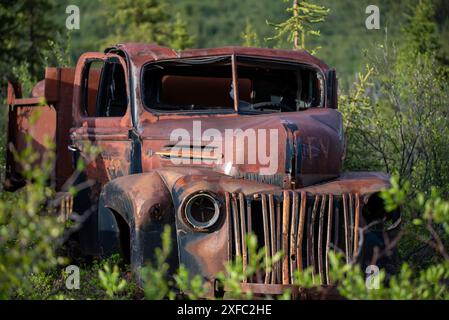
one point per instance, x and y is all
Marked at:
(73, 148)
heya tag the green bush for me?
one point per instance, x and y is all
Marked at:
(28, 235)
(396, 120)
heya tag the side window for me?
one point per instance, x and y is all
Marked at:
(106, 94)
(91, 83)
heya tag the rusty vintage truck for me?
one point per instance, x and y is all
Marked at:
(161, 119)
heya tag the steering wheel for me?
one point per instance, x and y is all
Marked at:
(271, 105)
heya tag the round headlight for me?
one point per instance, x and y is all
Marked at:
(202, 211)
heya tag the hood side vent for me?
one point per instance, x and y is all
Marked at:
(277, 179)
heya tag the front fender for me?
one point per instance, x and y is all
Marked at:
(143, 202)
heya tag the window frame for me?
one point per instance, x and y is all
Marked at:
(84, 83)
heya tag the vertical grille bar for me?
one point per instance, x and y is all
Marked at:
(328, 237)
(266, 237)
(311, 240)
(243, 232)
(285, 227)
(293, 235)
(307, 233)
(351, 225)
(228, 219)
(249, 221)
(273, 236)
(235, 216)
(320, 239)
(336, 224)
(302, 215)
(278, 240)
(346, 222)
(356, 223)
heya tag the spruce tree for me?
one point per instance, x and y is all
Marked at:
(421, 32)
(249, 36)
(180, 38)
(303, 18)
(25, 29)
(148, 21)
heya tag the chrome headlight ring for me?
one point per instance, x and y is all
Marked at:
(202, 210)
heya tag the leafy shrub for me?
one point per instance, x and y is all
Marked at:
(28, 238)
(110, 280)
(155, 274)
(396, 119)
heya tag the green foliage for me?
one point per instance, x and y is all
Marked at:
(101, 279)
(234, 273)
(194, 288)
(31, 232)
(27, 82)
(249, 36)
(58, 52)
(112, 284)
(25, 29)
(110, 280)
(28, 238)
(137, 21)
(155, 274)
(421, 30)
(220, 23)
(434, 208)
(352, 283)
(397, 114)
(146, 21)
(357, 113)
(396, 195)
(396, 121)
(433, 211)
(180, 38)
(55, 53)
(301, 24)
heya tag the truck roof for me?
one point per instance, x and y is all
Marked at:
(141, 53)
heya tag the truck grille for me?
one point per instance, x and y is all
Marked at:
(304, 226)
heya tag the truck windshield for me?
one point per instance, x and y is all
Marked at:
(263, 86)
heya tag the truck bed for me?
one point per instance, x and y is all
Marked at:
(46, 114)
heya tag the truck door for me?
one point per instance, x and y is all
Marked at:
(102, 119)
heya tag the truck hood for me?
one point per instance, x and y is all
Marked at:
(293, 149)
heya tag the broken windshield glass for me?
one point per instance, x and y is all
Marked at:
(263, 86)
